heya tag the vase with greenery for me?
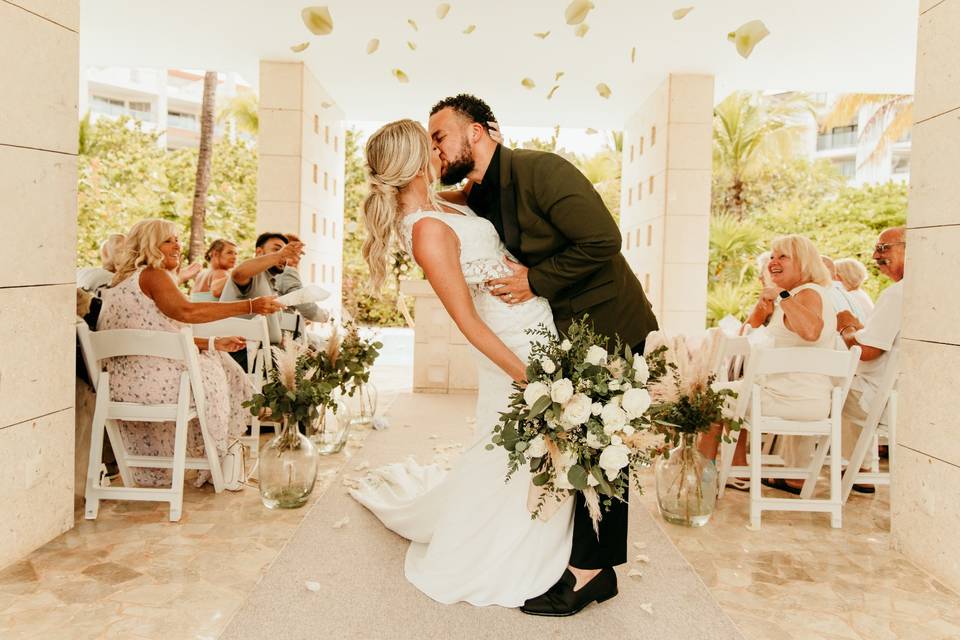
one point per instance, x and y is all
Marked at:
(288, 463)
(329, 427)
(685, 405)
(357, 355)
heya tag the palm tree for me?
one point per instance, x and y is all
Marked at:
(892, 118)
(204, 162)
(243, 110)
(750, 129)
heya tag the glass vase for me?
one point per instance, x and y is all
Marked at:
(363, 405)
(330, 428)
(288, 468)
(686, 484)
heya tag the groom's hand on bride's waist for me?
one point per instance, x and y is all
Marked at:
(514, 288)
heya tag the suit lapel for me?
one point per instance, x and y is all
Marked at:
(508, 203)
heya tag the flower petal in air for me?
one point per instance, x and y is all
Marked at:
(581, 30)
(577, 11)
(442, 10)
(681, 13)
(558, 75)
(470, 29)
(747, 36)
(326, 105)
(317, 20)
(527, 83)
(603, 90)
(297, 48)
(590, 131)
(373, 45)
(342, 522)
(413, 25)
(401, 76)
(633, 55)
(542, 34)
(412, 45)
(552, 91)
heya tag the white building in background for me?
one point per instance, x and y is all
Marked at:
(850, 151)
(164, 100)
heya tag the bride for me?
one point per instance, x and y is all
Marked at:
(471, 535)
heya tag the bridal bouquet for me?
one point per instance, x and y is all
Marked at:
(578, 421)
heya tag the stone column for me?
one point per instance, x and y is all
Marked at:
(38, 210)
(301, 167)
(925, 503)
(665, 199)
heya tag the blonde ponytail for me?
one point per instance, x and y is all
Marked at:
(396, 154)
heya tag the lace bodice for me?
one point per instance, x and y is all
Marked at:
(482, 253)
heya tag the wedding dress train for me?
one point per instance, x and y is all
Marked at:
(471, 536)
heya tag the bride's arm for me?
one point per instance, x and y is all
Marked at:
(436, 249)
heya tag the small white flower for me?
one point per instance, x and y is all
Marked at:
(613, 385)
(596, 355)
(565, 345)
(636, 402)
(535, 391)
(616, 440)
(577, 410)
(593, 441)
(596, 408)
(613, 418)
(537, 448)
(566, 461)
(561, 391)
(548, 366)
(641, 372)
(614, 458)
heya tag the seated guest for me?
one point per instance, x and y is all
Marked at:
(842, 300)
(876, 338)
(221, 257)
(852, 274)
(267, 274)
(798, 312)
(144, 295)
(93, 279)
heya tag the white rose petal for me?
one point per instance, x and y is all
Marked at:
(641, 371)
(537, 448)
(596, 355)
(577, 410)
(614, 458)
(596, 408)
(561, 391)
(548, 366)
(311, 585)
(616, 440)
(613, 418)
(628, 430)
(535, 391)
(747, 36)
(636, 402)
(565, 345)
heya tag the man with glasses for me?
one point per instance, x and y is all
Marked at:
(876, 339)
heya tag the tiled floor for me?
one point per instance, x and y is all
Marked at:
(133, 574)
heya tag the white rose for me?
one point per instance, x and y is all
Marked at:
(566, 461)
(613, 418)
(626, 385)
(535, 391)
(614, 458)
(614, 385)
(548, 366)
(565, 345)
(596, 355)
(536, 448)
(593, 441)
(561, 391)
(628, 430)
(636, 402)
(641, 371)
(596, 408)
(577, 410)
(616, 440)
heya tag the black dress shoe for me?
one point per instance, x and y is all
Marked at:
(864, 488)
(781, 484)
(561, 600)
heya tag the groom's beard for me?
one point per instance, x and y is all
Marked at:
(456, 171)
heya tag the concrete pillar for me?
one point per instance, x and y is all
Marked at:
(925, 503)
(38, 211)
(301, 167)
(665, 199)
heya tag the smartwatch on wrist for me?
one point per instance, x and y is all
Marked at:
(784, 294)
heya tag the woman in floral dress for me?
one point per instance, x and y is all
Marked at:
(144, 295)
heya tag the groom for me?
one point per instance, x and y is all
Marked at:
(551, 218)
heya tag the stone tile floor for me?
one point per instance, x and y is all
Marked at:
(131, 574)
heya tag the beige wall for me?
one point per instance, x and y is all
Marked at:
(925, 502)
(38, 212)
(301, 167)
(665, 200)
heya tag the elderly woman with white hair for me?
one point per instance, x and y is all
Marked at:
(852, 274)
(144, 295)
(93, 279)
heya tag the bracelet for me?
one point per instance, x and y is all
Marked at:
(210, 345)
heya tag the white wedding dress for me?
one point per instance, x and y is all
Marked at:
(471, 536)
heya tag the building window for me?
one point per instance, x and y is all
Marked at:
(313, 273)
(326, 135)
(333, 274)
(649, 234)
(641, 145)
(336, 144)
(323, 273)
(640, 191)
(107, 106)
(631, 153)
(316, 124)
(324, 227)
(646, 283)
(314, 222)
(315, 173)
(141, 108)
(651, 185)
(838, 138)
(333, 230)
(334, 186)
(847, 167)
(627, 241)
(900, 165)
(326, 180)
(629, 196)
(653, 136)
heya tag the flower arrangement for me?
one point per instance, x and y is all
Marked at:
(356, 359)
(578, 421)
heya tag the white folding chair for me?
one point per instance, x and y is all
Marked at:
(733, 356)
(259, 360)
(293, 324)
(838, 365)
(880, 421)
(97, 346)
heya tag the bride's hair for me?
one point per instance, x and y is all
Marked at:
(397, 154)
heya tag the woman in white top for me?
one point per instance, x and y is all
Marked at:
(852, 274)
(798, 313)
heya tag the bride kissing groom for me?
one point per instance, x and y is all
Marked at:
(526, 242)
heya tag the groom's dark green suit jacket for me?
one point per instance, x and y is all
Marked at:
(555, 223)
